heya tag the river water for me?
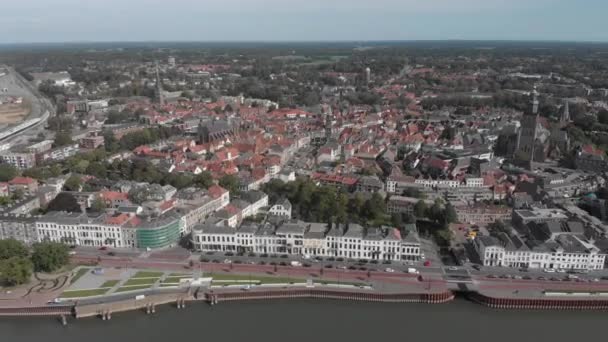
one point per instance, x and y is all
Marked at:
(312, 320)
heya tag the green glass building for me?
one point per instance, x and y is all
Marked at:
(159, 234)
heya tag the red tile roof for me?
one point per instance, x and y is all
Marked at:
(22, 181)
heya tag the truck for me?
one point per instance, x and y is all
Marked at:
(296, 264)
(412, 270)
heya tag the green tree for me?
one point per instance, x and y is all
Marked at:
(179, 180)
(602, 116)
(64, 202)
(450, 213)
(97, 169)
(63, 139)
(10, 248)
(49, 256)
(420, 209)
(139, 194)
(73, 183)
(374, 208)
(7, 172)
(15, 271)
(230, 183)
(203, 180)
(98, 205)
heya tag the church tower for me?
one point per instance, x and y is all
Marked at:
(565, 117)
(160, 95)
(526, 139)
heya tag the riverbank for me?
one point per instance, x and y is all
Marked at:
(306, 320)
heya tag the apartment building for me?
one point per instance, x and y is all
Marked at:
(565, 251)
(313, 239)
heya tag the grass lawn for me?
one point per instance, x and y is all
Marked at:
(82, 271)
(335, 282)
(168, 285)
(83, 293)
(174, 279)
(110, 283)
(140, 281)
(254, 279)
(180, 275)
(131, 288)
(148, 274)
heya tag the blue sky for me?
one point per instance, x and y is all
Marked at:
(245, 20)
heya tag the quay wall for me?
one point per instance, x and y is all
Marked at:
(65, 310)
(432, 298)
(538, 303)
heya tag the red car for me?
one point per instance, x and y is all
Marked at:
(103, 248)
(427, 263)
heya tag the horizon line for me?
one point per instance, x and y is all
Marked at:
(310, 41)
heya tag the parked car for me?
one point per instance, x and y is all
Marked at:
(389, 270)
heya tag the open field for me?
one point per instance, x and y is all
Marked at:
(13, 113)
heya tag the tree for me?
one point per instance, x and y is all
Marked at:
(64, 202)
(139, 194)
(396, 220)
(420, 209)
(98, 205)
(73, 183)
(15, 271)
(203, 180)
(62, 139)
(179, 180)
(602, 116)
(7, 172)
(10, 248)
(450, 214)
(230, 183)
(49, 256)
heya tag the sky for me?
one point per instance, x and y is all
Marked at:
(41, 21)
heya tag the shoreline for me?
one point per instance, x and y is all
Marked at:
(213, 297)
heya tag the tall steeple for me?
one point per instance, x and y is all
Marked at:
(565, 118)
(534, 101)
(160, 95)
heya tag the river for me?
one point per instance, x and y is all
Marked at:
(308, 320)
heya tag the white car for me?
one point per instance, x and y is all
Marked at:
(227, 261)
(549, 270)
(389, 270)
(561, 271)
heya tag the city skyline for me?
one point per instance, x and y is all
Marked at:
(273, 20)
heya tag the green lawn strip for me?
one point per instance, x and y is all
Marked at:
(131, 288)
(82, 271)
(174, 279)
(148, 274)
(110, 283)
(218, 277)
(140, 281)
(181, 275)
(335, 282)
(83, 293)
(168, 285)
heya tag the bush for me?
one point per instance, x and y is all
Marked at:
(15, 271)
(49, 256)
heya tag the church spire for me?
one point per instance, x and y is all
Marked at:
(534, 101)
(160, 95)
(565, 118)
